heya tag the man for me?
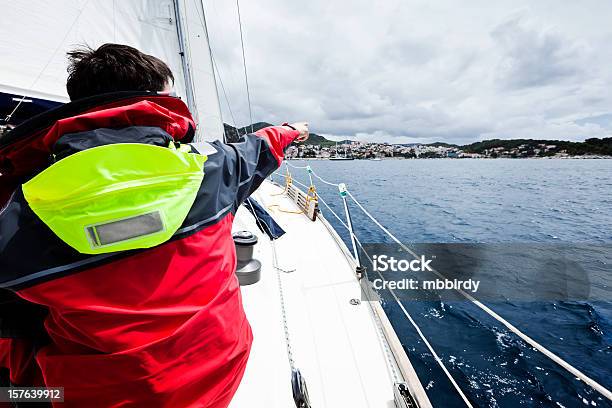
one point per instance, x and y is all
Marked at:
(120, 238)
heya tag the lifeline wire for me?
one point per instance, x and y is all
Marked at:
(577, 373)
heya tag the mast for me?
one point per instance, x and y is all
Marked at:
(198, 69)
(185, 63)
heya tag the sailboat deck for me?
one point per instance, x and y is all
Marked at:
(335, 344)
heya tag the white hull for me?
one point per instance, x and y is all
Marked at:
(336, 345)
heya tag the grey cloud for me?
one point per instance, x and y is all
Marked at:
(416, 70)
(604, 120)
(532, 57)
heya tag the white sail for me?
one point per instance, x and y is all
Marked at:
(35, 36)
(204, 101)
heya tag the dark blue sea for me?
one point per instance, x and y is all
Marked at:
(520, 201)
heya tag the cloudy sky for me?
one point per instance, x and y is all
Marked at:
(424, 71)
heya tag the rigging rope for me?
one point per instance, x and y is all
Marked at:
(312, 172)
(246, 77)
(294, 166)
(324, 181)
(283, 210)
(336, 215)
(227, 101)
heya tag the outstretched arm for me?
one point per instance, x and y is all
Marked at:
(257, 155)
(280, 137)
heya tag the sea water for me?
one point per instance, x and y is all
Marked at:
(514, 201)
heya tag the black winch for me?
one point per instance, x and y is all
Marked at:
(248, 269)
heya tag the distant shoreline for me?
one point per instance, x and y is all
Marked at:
(320, 148)
(462, 158)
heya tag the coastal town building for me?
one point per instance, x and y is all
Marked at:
(368, 150)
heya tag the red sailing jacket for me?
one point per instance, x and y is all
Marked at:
(160, 327)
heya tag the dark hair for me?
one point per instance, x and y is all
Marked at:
(114, 67)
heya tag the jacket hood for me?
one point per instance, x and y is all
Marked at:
(26, 150)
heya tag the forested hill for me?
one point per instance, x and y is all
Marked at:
(591, 146)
